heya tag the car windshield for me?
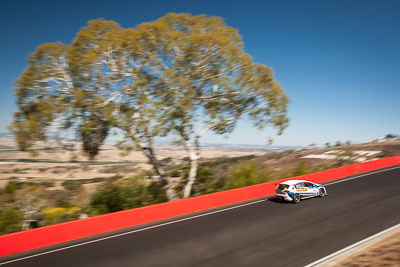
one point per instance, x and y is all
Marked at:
(283, 187)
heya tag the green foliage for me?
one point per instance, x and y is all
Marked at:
(387, 155)
(244, 175)
(321, 167)
(206, 182)
(10, 188)
(146, 174)
(174, 173)
(60, 214)
(9, 151)
(163, 77)
(74, 186)
(93, 131)
(122, 195)
(10, 220)
(31, 120)
(20, 184)
(111, 198)
(301, 169)
(390, 136)
(227, 160)
(166, 160)
(275, 155)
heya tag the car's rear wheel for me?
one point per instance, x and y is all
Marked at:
(296, 199)
(321, 192)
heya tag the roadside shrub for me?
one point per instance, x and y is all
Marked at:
(174, 173)
(206, 182)
(122, 195)
(10, 220)
(322, 167)
(227, 160)
(75, 186)
(10, 188)
(301, 169)
(96, 180)
(244, 175)
(60, 214)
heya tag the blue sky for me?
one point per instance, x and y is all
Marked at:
(339, 61)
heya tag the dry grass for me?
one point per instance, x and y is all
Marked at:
(135, 162)
(385, 252)
(124, 165)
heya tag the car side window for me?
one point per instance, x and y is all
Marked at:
(308, 184)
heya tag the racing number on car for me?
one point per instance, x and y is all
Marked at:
(301, 189)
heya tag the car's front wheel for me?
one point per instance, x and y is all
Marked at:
(321, 192)
(296, 199)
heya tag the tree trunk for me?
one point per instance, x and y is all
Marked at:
(194, 155)
(169, 191)
(149, 152)
(30, 207)
(192, 175)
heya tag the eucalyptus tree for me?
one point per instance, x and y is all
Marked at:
(120, 80)
(208, 81)
(50, 97)
(97, 83)
(181, 75)
(40, 91)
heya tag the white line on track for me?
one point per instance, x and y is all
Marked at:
(351, 247)
(176, 221)
(131, 232)
(362, 175)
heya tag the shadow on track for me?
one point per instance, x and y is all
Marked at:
(274, 200)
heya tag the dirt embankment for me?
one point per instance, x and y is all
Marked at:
(385, 252)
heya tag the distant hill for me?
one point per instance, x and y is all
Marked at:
(7, 135)
(210, 146)
(250, 147)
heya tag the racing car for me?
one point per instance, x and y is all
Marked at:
(295, 190)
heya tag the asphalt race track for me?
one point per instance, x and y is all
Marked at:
(266, 233)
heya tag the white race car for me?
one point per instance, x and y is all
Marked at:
(295, 190)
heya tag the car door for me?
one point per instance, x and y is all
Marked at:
(311, 189)
(301, 189)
